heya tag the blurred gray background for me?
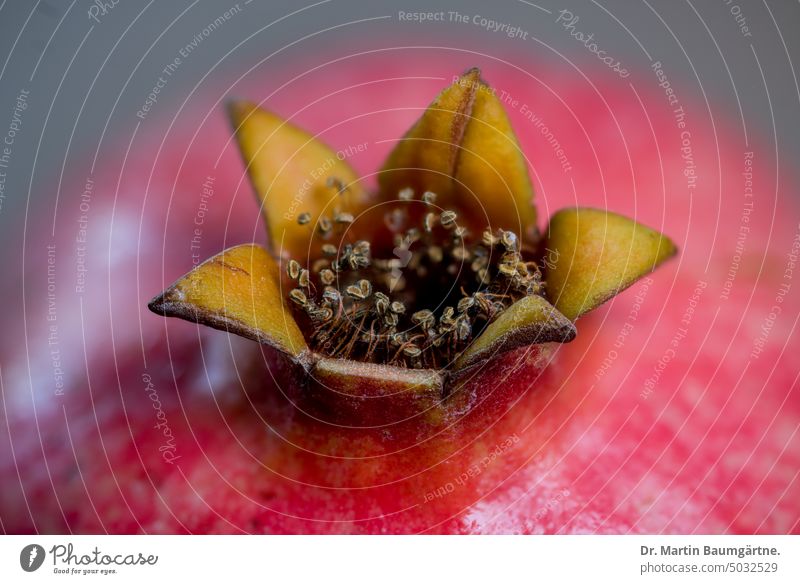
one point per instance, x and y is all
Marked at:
(67, 55)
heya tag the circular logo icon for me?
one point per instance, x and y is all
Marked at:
(31, 557)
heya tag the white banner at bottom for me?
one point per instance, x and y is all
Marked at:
(378, 559)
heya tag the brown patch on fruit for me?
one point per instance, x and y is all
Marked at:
(219, 260)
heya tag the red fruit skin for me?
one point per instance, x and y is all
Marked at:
(584, 445)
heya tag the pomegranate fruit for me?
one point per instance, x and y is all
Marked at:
(674, 409)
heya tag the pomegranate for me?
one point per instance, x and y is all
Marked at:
(674, 409)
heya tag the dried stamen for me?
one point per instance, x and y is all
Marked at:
(386, 309)
(293, 269)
